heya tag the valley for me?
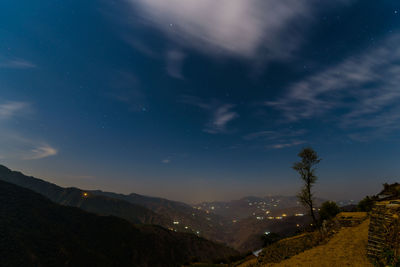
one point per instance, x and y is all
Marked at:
(241, 227)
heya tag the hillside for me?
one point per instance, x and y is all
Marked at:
(209, 225)
(243, 235)
(255, 206)
(246, 234)
(135, 208)
(76, 197)
(345, 248)
(38, 232)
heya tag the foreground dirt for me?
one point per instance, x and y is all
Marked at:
(346, 248)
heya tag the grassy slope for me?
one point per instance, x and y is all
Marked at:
(346, 248)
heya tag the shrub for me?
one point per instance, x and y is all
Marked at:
(328, 210)
(366, 204)
(269, 239)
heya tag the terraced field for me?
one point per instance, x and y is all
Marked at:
(346, 248)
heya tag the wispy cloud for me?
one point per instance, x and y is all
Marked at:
(12, 143)
(39, 152)
(11, 109)
(17, 64)
(221, 117)
(278, 139)
(362, 88)
(15, 146)
(141, 47)
(237, 27)
(220, 113)
(286, 145)
(174, 60)
(166, 161)
(273, 135)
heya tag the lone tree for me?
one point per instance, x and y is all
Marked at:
(306, 169)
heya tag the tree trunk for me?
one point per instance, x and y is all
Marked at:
(313, 215)
(311, 204)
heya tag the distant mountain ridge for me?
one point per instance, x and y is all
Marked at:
(213, 220)
(38, 232)
(93, 203)
(186, 217)
(255, 206)
(133, 207)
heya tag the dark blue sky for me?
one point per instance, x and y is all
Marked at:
(201, 100)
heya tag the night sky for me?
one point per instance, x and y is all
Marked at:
(197, 100)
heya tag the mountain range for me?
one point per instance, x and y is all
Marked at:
(256, 206)
(239, 224)
(35, 231)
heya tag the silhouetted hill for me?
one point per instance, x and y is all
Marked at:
(37, 232)
(135, 208)
(209, 225)
(241, 234)
(94, 203)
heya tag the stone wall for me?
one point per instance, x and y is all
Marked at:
(383, 234)
(289, 247)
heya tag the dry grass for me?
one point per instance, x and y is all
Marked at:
(250, 263)
(346, 248)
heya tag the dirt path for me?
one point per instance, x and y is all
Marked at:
(346, 248)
